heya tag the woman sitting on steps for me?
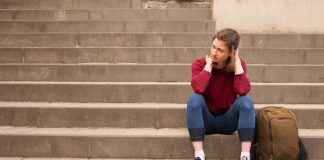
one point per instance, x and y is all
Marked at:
(220, 104)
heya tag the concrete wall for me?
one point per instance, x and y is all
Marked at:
(162, 4)
(270, 16)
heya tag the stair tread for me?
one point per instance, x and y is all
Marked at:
(134, 105)
(108, 47)
(111, 20)
(149, 64)
(185, 33)
(103, 9)
(111, 33)
(43, 158)
(122, 132)
(142, 83)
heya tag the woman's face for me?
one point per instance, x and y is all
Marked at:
(218, 51)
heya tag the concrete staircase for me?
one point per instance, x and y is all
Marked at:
(109, 79)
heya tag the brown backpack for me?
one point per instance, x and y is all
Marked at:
(276, 136)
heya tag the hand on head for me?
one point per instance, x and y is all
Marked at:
(236, 54)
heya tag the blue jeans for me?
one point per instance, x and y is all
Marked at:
(201, 121)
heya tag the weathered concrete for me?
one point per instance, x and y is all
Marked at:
(118, 115)
(151, 73)
(123, 143)
(275, 16)
(155, 92)
(107, 26)
(163, 4)
(85, 4)
(111, 14)
(154, 55)
(68, 4)
(57, 55)
(155, 40)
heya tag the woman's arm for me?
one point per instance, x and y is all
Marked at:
(201, 74)
(242, 83)
(238, 66)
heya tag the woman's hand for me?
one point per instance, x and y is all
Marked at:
(209, 60)
(236, 54)
(238, 65)
(209, 64)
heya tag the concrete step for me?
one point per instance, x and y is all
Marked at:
(38, 158)
(148, 4)
(150, 73)
(154, 55)
(125, 115)
(155, 92)
(86, 4)
(283, 56)
(107, 14)
(124, 143)
(68, 4)
(105, 40)
(42, 158)
(108, 26)
(155, 40)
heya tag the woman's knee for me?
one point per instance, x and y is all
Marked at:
(246, 102)
(195, 101)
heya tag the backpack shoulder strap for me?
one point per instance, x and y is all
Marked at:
(303, 155)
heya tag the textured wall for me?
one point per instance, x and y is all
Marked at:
(270, 16)
(176, 3)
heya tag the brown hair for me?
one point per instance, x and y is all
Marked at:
(232, 40)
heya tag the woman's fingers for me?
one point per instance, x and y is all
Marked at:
(208, 59)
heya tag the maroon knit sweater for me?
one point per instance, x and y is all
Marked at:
(219, 88)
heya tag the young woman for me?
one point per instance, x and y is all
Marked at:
(220, 103)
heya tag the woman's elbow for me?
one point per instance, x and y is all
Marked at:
(242, 91)
(196, 87)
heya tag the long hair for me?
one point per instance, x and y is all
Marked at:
(232, 40)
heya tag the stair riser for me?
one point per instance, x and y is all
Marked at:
(150, 73)
(112, 14)
(68, 4)
(283, 56)
(85, 4)
(154, 40)
(108, 26)
(122, 118)
(104, 40)
(154, 55)
(110, 93)
(128, 147)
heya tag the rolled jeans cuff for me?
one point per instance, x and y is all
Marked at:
(246, 134)
(197, 134)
